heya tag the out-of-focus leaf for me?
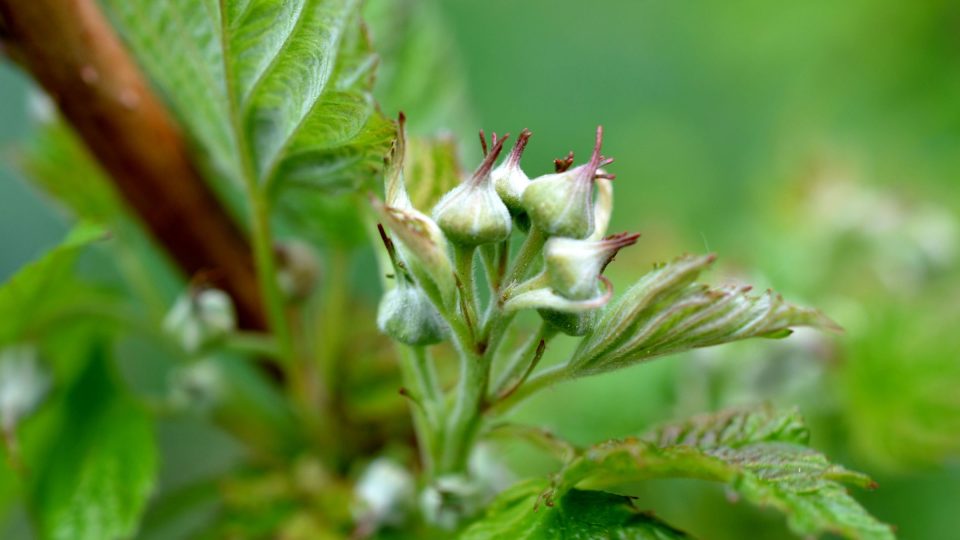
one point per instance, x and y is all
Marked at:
(666, 312)
(94, 479)
(430, 170)
(43, 285)
(755, 453)
(276, 90)
(421, 72)
(520, 513)
(58, 163)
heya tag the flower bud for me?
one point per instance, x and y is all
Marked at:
(200, 317)
(509, 179)
(406, 315)
(423, 248)
(384, 494)
(561, 204)
(23, 385)
(574, 266)
(297, 270)
(472, 213)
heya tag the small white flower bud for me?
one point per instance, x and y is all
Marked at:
(406, 315)
(384, 493)
(472, 213)
(561, 204)
(23, 385)
(200, 317)
(298, 269)
(509, 179)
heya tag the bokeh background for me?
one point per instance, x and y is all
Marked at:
(815, 146)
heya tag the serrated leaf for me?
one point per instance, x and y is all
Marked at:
(277, 90)
(733, 428)
(42, 285)
(94, 479)
(519, 513)
(755, 454)
(666, 312)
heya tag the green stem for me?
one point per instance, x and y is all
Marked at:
(464, 418)
(419, 373)
(463, 261)
(531, 247)
(267, 275)
(522, 364)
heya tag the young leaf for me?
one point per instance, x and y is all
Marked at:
(520, 513)
(666, 312)
(276, 91)
(94, 479)
(41, 285)
(755, 454)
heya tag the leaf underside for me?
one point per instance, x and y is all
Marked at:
(667, 312)
(277, 90)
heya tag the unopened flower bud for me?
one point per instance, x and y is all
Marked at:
(472, 213)
(298, 269)
(23, 385)
(384, 492)
(406, 315)
(574, 266)
(561, 204)
(509, 179)
(200, 317)
(423, 247)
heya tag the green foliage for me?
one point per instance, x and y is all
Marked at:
(43, 287)
(758, 454)
(93, 480)
(276, 91)
(666, 312)
(520, 513)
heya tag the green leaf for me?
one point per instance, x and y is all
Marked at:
(94, 479)
(519, 513)
(756, 454)
(422, 72)
(666, 312)
(274, 91)
(58, 163)
(42, 286)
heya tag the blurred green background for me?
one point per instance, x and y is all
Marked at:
(812, 145)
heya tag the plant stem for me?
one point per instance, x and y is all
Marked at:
(463, 261)
(419, 373)
(522, 364)
(531, 247)
(267, 273)
(464, 418)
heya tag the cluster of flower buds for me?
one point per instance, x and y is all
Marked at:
(568, 209)
(200, 317)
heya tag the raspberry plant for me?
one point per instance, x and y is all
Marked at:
(275, 101)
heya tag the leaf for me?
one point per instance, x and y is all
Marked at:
(43, 285)
(275, 91)
(94, 479)
(57, 162)
(755, 453)
(519, 513)
(666, 312)
(422, 71)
